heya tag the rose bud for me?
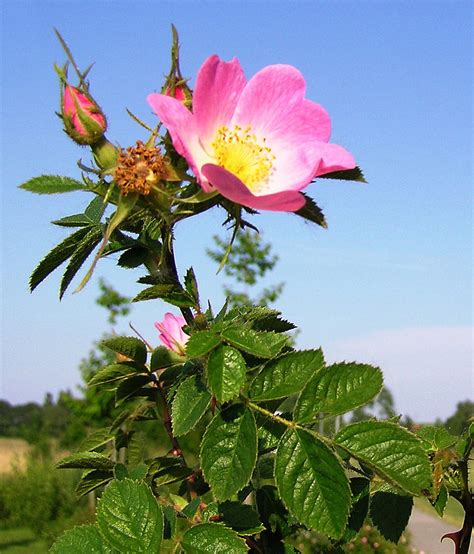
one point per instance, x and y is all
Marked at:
(83, 119)
(172, 334)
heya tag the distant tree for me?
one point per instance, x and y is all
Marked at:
(461, 417)
(248, 262)
(383, 406)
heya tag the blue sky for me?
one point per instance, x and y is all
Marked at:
(390, 281)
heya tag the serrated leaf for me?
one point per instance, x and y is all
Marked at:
(82, 251)
(286, 375)
(312, 212)
(172, 474)
(337, 389)
(58, 255)
(168, 293)
(258, 343)
(96, 439)
(95, 209)
(240, 517)
(229, 451)
(200, 343)
(52, 184)
(133, 257)
(86, 460)
(390, 513)
(441, 500)
(389, 450)
(355, 174)
(191, 286)
(360, 489)
(129, 517)
(312, 483)
(162, 357)
(92, 480)
(131, 387)
(435, 438)
(226, 373)
(84, 538)
(212, 538)
(114, 372)
(76, 220)
(170, 521)
(130, 347)
(191, 508)
(189, 405)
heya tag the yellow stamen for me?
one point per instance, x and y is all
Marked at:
(239, 151)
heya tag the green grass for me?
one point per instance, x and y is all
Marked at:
(21, 541)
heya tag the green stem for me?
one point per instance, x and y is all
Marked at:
(286, 422)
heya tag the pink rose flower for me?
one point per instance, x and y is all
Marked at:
(172, 334)
(258, 142)
(83, 119)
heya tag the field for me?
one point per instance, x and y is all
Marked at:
(21, 541)
(12, 452)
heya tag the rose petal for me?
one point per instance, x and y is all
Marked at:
(334, 158)
(271, 97)
(232, 188)
(181, 125)
(217, 91)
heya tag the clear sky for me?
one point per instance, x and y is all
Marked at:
(390, 281)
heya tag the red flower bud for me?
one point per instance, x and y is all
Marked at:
(83, 119)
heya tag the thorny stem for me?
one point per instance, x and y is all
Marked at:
(286, 422)
(170, 267)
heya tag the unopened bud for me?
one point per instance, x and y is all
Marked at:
(83, 120)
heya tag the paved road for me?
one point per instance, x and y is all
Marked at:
(426, 532)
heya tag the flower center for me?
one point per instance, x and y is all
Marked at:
(239, 151)
(139, 168)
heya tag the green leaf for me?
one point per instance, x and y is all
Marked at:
(389, 450)
(271, 510)
(226, 373)
(229, 451)
(133, 257)
(191, 286)
(95, 209)
(360, 489)
(200, 343)
(257, 343)
(191, 508)
(131, 387)
(189, 405)
(86, 460)
(212, 538)
(168, 293)
(172, 474)
(240, 517)
(114, 372)
(436, 438)
(139, 472)
(58, 255)
(346, 175)
(80, 255)
(390, 513)
(85, 538)
(76, 220)
(312, 212)
(441, 500)
(162, 357)
(286, 375)
(52, 184)
(337, 389)
(170, 521)
(93, 479)
(129, 517)
(130, 347)
(96, 439)
(312, 483)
